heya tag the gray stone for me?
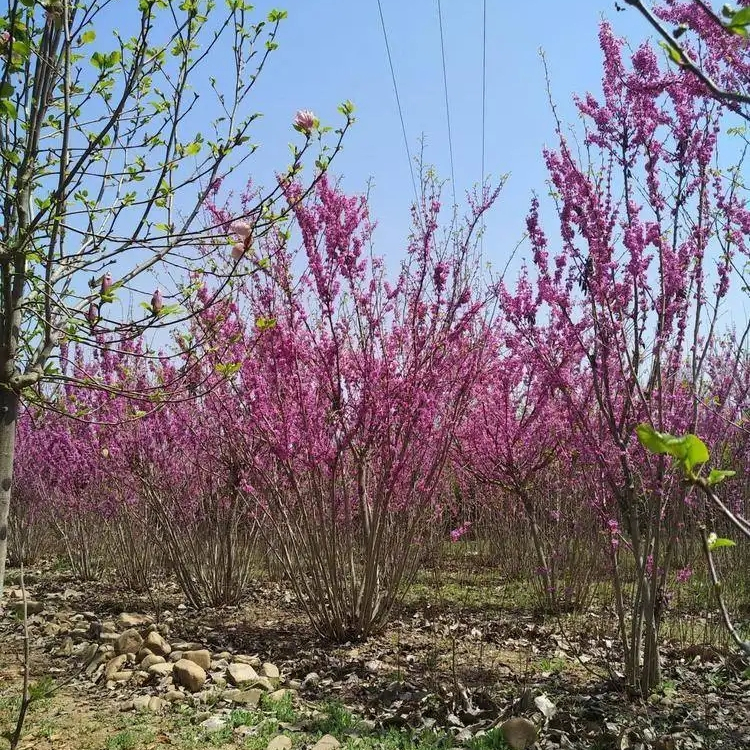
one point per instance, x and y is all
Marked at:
(150, 660)
(249, 698)
(280, 742)
(189, 674)
(122, 676)
(115, 665)
(241, 674)
(327, 742)
(156, 644)
(279, 695)
(518, 732)
(174, 696)
(201, 657)
(271, 671)
(214, 723)
(161, 669)
(132, 620)
(129, 642)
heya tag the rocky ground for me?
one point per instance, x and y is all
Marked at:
(111, 672)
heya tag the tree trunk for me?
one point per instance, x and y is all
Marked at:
(8, 416)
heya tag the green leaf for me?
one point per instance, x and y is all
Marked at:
(715, 542)
(88, 36)
(689, 449)
(717, 476)
(8, 109)
(675, 53)
(738, 21)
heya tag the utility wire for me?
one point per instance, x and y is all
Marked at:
(484, 80)
(484, 111)
(398, 104)
(447, 106)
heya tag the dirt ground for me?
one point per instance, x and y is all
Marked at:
(457, 661)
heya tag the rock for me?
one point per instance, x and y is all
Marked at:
(122, 676)
(130, 620)
(157, 645)
(174, 696)
(140, 702)
(155, 704)
(176, 655)
(51, 629)
(110, 638)
(189, 674)
(150, 660)
(129, 642)
(218, 680)
(161, 669)
(253, 661)
(108, 626)
(202, 658)
(66, 647)
(279, 695)
(518, 732)
(114, 665)
(271, 671)
(248, 698)
(261, 682)
(326, 742)
(140, 678)
(311, 681)
(280, 742)
(32, 607)
(98, 660)
(241, 674)
(214, 723)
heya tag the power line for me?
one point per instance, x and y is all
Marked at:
(484, 112)
(484, 80)
(447, 106)
(398, 104)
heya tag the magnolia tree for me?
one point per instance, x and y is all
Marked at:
(105, 163)
(351, 398)
(649, 230)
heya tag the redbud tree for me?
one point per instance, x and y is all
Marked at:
(114, 127)
(649, 229)
(352, 395)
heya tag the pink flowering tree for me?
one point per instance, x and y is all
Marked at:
(107, 158)
(512, 435)
(648, 231)
(352, 394)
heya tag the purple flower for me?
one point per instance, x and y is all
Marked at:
(456, 534)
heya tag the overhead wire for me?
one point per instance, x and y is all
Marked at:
(447, 102)
(398, 104)
(484, 113)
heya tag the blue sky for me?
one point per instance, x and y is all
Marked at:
(331, 50)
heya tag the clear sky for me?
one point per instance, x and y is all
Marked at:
(331, 50)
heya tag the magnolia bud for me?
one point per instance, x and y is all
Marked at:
(243, 229)
(238, 251)
(92, 315)
(157, 303)
(305, 121)
(106, 283)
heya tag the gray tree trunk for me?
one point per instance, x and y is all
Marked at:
(8, 416)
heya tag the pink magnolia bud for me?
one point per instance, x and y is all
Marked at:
(238, 251)
(92, 315)
(157, 303)
(106, 283)
(243, 229)
(305, 121)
